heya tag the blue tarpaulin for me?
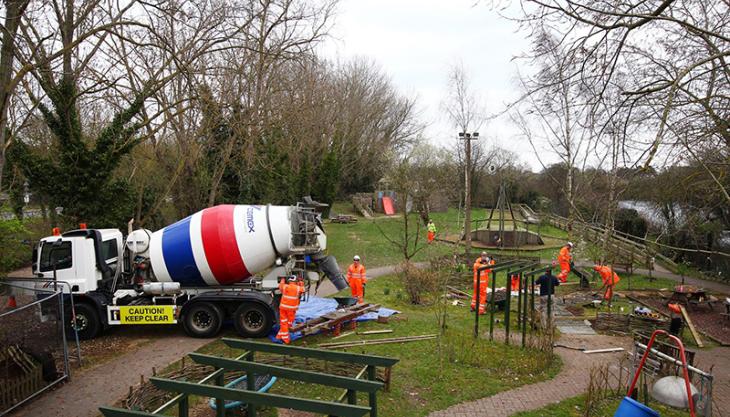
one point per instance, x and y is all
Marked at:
(317, 306)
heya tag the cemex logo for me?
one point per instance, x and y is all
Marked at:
(249, 218)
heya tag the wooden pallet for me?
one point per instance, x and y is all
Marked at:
(333, 321)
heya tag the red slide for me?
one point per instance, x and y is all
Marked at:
(388, 206)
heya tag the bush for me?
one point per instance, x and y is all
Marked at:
(629, 221)
(14, 249)
(417, 282)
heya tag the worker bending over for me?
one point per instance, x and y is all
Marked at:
(357, 279)
(291, 292)
(565, 258)
(431, 231)
(481, 282)
(610, 279)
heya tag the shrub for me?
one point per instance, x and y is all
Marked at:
(417, 282)
(14, 250)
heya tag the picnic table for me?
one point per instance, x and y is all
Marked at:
(688, 295)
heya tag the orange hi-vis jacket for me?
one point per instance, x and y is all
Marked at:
(356, 272)
(485, 273)
(290, 293)
(564, 255)
(609, 277)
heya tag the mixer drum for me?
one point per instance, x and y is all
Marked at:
(220, 245)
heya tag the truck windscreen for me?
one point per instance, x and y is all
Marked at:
(58, 253)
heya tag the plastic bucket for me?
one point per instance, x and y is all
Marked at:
(632, 408)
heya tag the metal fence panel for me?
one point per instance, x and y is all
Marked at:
(33, 345)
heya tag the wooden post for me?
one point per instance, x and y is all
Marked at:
(220, 403)
(492, 306)
(507, 307)
(524, 310)
(532, 301)
(183, 407)
(519, 301)
(250, 386)
(373, 401)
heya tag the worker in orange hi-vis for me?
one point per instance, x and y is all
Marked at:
(564, 259)
(515, 282)
(481, 282)
(610, 279)
(357, 279)
(291, 292)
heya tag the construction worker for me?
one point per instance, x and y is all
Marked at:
(291, 292)
(481, 282)
(565, 259)
(675, 314)
(357, 279)
(610, 279)
(431, 231)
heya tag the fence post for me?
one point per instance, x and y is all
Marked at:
(183, 407)
(507, 306)
(492, 305)
(373, 403)
(220, 403)
(250, 385)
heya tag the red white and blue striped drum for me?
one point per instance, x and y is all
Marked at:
(221, 245)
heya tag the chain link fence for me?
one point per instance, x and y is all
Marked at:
(34, 354)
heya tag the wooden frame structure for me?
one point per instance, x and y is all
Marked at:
(255, 399)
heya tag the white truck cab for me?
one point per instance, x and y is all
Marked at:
(74, 256)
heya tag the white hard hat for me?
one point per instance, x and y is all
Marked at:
(356, 258)
(292, 277)
(570, 244)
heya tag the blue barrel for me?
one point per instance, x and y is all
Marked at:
(632, 408)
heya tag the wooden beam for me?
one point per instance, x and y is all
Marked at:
(288, 373)
(310, 353)
(260, 399)
(691, 326)
(123, 412)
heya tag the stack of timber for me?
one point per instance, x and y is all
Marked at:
(628, 323)
(331, 321)
(403, 339)
(344, 219)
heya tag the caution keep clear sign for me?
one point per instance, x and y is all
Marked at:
(147, 315)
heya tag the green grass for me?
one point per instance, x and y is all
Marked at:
(433, 374)
(366, 238)
(575, 407)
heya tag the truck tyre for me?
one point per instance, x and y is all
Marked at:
(87, 323)
(253, 320)
(203, 320)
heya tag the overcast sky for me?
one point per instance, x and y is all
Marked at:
(416, 41)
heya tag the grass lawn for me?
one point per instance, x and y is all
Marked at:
(433, 374)
(575, 407)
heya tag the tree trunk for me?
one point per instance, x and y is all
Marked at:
(14, 11)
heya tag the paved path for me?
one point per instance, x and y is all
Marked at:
(109, 381)
(573, 380)
(570, 382)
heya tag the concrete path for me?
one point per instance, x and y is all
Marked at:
(109, 381)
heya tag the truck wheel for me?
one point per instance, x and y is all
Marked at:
(253, 320)
(203, 320)
(87, 322)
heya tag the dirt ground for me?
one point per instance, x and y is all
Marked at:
(705, 319)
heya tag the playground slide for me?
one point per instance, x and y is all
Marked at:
(388, 206)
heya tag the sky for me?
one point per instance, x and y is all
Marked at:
(416, 42)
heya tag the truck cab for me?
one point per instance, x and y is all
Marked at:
(83, 258)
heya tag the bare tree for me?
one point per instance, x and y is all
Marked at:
(559, 106)
(673, 55)
(465, 111)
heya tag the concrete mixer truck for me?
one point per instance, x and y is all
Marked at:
(222, 263)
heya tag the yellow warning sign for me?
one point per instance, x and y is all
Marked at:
(147, 315)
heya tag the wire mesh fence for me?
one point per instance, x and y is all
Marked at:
(34, 354)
